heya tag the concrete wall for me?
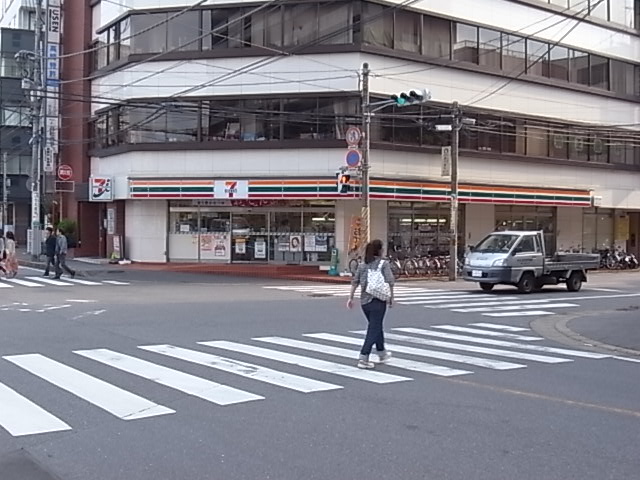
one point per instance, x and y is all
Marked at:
(479, 221)
(146, 230)
(569, 228)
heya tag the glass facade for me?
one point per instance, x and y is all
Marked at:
(287, 232)
(514, 217)
(300, 26)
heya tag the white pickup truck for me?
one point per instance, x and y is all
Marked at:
(518, 258)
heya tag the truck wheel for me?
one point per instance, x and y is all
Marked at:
(487, 287)
(574, 282)
(526, 283)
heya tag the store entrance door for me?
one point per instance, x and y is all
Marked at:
(249, 237)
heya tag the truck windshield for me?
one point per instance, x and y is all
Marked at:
(497, 243)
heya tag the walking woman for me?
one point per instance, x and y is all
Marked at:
(12, 256)
(376, 281)
(3, 254)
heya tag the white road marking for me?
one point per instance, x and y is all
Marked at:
(511, 336)
(115, 282)
(504, 343)
(256, 372)
(497, 326)
(491, 303)
(452, 357)
(514, 307)
(603, 289)
(626, 359)
(50, 281)
(20, 416)
(439, 299)
(80, 301)
(4, 285)
(475, 349)
(52, 307)
(82, 282)
(343, 352)
(118, 402)
(24, 283)
(307, 362)
(525, 313)
(184, 382)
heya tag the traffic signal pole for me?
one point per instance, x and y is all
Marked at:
(453, 222)
(366, 146)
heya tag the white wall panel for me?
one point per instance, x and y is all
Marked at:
(479, 221)
(619, 189)
(569, 228)
(146, 230)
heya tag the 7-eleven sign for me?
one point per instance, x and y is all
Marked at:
(231, 189)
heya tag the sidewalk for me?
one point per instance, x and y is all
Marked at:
(84, 267)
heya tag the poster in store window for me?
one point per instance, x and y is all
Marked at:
(220, 242)
(322, 243)
(206, 243)
(260, 248)
(241, 246)
(295, 243)
(283, 243)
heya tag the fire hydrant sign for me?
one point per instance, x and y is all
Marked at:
(65, 172)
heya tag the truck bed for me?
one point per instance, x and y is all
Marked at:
(572, 261)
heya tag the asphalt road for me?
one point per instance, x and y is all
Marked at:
(482, 386)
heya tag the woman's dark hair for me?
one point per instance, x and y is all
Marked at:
(372, 251)
(10, 236)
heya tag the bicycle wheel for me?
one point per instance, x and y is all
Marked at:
(410, 268)
(395, 268)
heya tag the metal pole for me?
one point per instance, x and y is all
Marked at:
(366, 146)
(36, 159)
(455, 145)
(4, 191)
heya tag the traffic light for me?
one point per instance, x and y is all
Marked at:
(343, 182)
(412, 97)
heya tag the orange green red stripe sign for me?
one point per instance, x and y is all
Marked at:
(311, 188)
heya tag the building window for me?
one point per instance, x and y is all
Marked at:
(599, 71)
(579, 67)
(489, 49)
(408, 27)
(436, 35)
(183, 31)
(465, 43)
(559, 63)
(149, 32)
(300, 24)
(513, 54)
(335, 21)
(182, 122)
(598, 149)
(622, 12)
(377, 25)
(599, 9)
(623, 77)
(558, 145)
(537, 58)
(537, 140)
(578, 146)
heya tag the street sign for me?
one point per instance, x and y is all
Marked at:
(353, 158)
(446, 161)
(353, 136)
(49, 159)
(65, 172)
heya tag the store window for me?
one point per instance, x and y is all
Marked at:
(597, 229)
(419, 228)
(513, 217)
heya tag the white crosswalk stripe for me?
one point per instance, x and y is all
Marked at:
(307, 362)
(39, 282)
(249, 370)
(488, 333)
(118, 402)
(477, 361)
(343, 352)
(20, 416)
(497, 326)
(504, 343)
(190, 384)
(458, 301)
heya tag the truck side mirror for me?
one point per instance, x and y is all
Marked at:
(472, 248)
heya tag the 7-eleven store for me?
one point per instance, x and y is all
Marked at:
(299, 221)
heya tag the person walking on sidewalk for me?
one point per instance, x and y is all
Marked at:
(11, 264)
(50, 250)
(3, 254)
(375, 279)
(62, 248)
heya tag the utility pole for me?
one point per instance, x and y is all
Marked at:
(5, 193)
(366, 147)
(455, 148)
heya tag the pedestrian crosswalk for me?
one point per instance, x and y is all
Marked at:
(49, 282)
(459, 301)
(439, 351)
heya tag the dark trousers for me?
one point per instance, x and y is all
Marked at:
(51, 262)
(61, 264)
(374, 311)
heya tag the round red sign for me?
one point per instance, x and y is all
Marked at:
(65, 172)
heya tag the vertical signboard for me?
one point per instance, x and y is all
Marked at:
(52, 82)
